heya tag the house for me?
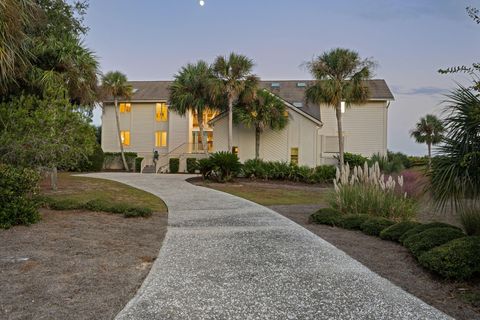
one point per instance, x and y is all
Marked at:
(310, 137)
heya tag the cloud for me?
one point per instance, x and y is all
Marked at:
(427, 91)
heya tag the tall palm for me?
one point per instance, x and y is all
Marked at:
(340, 76)
(428, 130)
(235, 74)
(193, 90)
(265, 111)
(15, 16)
(455, 173)
(115, 84)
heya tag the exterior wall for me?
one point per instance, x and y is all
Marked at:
(142, 125)
(364, 126)
(274, 145)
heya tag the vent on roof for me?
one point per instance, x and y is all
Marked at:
(275, 84)
(298, 104)
(301, 84)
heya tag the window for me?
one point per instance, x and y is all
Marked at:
(343, 106)
(125, 135)
(161, 139)
(125, 107)
(294, 155)
(331, 144)
(161, 111)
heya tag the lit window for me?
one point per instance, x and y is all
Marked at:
(294, 155)
(342, 106)
(125, 135)
(161, 139)
(235, 150)
(161, 111)
(125, 107)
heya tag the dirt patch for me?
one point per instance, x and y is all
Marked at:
(76, 264)
(395, 263)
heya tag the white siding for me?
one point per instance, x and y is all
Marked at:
(178, 131)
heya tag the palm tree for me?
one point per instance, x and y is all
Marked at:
(115, 84)
(235, 74)
(455, 172)
(15, 16)
(428, 130)
(340, 76)
(193, 90)
(265, 111)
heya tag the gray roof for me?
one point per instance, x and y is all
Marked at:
(292, 91)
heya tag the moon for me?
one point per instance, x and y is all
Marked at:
(202, 3)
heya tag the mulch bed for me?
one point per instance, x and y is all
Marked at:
(76, 264)
(395, 263)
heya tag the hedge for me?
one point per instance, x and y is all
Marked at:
(111, 156)
(192, 165)
(353, 221)
(17, 203)
(173, 165)
(374, 226)
(326, 216)
(458, 259)
(424, 241)
(138, 164)
(394, 232)
(424, 227)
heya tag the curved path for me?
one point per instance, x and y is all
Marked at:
(228, 258)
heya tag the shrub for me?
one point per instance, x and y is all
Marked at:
(399, 157)
(424, 241)
(470, 220)
(254, 168)
(65, 204)
(366, 191)
(226, 165)
(395, 231)
(352, 221)
(326, 216)
(97, 205)
(423, 227)
(17, 203)
(354, 160)
(138, 164)
(458, 259)
(205, 166)
(418, 161)
(387, 164)
(300, 173)
(110, 157)
(374, 226)
(133, 212)
(192, 165)
(173, 165)
(323, 174)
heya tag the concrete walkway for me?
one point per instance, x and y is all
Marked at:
(227, 258)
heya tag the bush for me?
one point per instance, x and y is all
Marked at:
(323, 174)
(110, 157)
(418, 161)
(400, 157)
(470, 220)
(431, 238)
(97, 205)
(205, 166)
(326, 216)
(458, 259)
(394, 232)
(353, 159)
(192, 165)
(374, 226)
(17, 203)
(254, 168)
(134, 212)
(65, 204)
(423, 227)
(226, 165)
(387, 164)
(138, 164)
(173, 165)
(352, 221)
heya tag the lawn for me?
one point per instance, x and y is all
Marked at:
(270, 194)
(85, 189)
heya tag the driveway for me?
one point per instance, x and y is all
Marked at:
(228, 258)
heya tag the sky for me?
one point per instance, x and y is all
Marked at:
(409, 39)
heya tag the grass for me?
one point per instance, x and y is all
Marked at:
(272, 194)
(82, 189)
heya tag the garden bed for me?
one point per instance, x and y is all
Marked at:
(395, 263)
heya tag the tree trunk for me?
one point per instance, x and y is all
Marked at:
(200, 127)
(125, 164)
(338, 110)
(257, 142)
(54, 178)
(429, 146)
(230, 124)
